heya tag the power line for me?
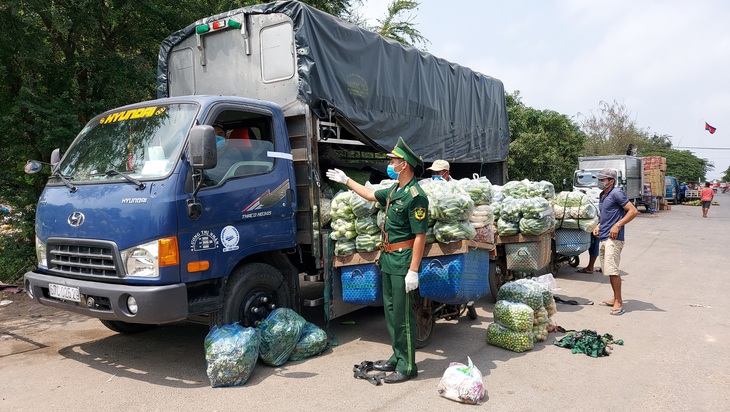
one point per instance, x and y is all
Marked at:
(708, 148)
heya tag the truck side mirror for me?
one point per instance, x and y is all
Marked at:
(202, 150)
(55, 157)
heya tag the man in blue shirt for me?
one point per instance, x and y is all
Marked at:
(615, 212)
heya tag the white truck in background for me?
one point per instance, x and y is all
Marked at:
(629, 176)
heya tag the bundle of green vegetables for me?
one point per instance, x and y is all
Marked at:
(231, 352)
(540, 325)
(537, 226)
(511, 209)
(340, 206)
(343, 229)
(479, 189)
(345, 247)
(516, 189)
(542, 189)
(450, 206)
(280, 332)
(312, 342)
(366, 225)
(507, 227)
(446, 232)
(366, 242)
(575, 210)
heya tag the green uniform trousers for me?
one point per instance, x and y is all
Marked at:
(401, 321)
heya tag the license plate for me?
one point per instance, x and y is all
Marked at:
(64, 292)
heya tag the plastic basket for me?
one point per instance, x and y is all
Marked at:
(528, 256)
(362, 285)
(455, 279)
(572, 242)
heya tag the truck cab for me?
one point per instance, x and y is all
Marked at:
(672, 189)
(146, 214)
(586, 181)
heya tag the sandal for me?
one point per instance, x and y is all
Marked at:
(583, 271)
(606, 303)
(618, 312)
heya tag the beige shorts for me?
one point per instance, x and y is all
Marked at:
(610, 256)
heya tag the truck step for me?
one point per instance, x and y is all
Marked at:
(312, 278)
(313, 302)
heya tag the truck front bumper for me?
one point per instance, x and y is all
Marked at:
(156, 304)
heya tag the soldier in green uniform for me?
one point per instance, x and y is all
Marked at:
(403, 239)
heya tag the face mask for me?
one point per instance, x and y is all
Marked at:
(601, 185)
(220, 142)
(392, 173)
(437, 177)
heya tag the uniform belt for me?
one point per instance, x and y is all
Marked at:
(392, 247)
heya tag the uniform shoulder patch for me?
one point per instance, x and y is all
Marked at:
(419, 213)
(414, 191)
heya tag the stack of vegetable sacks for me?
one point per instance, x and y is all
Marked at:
(523, 315)
(575, 210)
(354, 226)
(525, 208)
(450, 208)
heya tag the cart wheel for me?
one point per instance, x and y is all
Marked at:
(574, 261)
(425, 320)
(471, 311)
(497, 276)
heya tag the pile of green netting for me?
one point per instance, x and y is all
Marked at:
(588, 342)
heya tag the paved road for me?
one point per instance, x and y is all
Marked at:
(675, 358)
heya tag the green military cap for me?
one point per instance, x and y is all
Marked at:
(402, 151)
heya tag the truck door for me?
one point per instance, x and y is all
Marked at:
(248, 201)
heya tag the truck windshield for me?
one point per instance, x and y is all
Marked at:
(138, 143)
(586, 178)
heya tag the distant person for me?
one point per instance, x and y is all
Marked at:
(631, 151)
(706, 196)
(615, 212)
(440, 170)
(682, 192)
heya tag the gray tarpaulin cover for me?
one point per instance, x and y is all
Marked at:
(385, 89)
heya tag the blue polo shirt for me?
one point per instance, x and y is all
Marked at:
(611, 207)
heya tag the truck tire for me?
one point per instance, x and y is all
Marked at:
(126, 327)
(254, 290)
(497, 277)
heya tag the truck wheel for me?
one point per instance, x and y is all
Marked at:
(497, 276)
(254, 290)
(126, 327)
(425, 321)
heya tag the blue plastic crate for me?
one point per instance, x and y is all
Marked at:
(572, 242)
(362, 285)
(455, 278)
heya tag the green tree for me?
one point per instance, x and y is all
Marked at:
(611, 130)
(544, 145)
(398, 24)
(726, 175)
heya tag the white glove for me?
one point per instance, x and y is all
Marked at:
(411, 281)
(337, 175)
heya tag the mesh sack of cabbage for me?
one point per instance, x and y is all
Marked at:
(462, 383)
(231, 352)
(280, 332)
(312, 342)
(527, 291)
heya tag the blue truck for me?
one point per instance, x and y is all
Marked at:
(150, 218)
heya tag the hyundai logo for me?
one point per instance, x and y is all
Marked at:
(76, 219)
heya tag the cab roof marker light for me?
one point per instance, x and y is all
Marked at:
(217, 25)
(202, 29)
(234, 24)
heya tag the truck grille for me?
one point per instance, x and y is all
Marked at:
(77, 259)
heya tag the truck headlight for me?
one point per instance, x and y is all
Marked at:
(40, 253)
(146, 260)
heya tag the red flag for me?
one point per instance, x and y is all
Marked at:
(710, 128)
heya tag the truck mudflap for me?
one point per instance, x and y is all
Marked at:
(156, 304)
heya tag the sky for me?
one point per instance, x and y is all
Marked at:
(667, 62)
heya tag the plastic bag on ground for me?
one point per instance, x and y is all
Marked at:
(462, 383)
(231, 352)
(312, 342)
(280, 332)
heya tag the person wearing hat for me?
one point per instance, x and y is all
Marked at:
(227, 157)
(682, 192)
(440, 170)
(403, 238)
(615, 211)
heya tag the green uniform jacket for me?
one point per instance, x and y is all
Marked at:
(407, 216)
